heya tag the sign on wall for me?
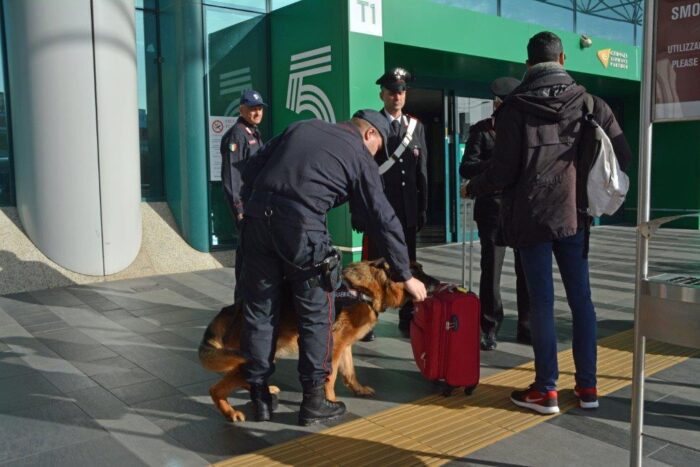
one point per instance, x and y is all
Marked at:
(677, 60)
(217, 128)
(365, 16)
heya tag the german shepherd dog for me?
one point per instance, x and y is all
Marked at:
(220, 347)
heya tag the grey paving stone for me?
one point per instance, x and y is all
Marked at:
(679, 456)
(41, 317)
(27, 389)
(135, 432)
(578, 422)
(74, 345)
(546, 445)
(123, 377)
(176, 371)
(178, 345)
(45, 427)
(116, 315)
(12, 365)
(145, 391)
(179, 316)
(107, 365)
(139, 325)
(40, 328)
(105, 452)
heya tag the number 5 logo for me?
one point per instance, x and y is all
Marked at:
(301, 96)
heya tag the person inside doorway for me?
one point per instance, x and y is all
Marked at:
(487, 211)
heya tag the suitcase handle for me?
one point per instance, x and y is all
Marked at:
(468, 226)
(452, 324)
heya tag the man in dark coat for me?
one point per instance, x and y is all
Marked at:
(538, 164)
(289, 187)
(487, 210)
(238, 145)
(404, 174)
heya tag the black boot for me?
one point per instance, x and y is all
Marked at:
(316, 408)
(264, 403)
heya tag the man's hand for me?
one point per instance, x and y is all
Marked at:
(416, 289)
(464, 191)
(240, 217)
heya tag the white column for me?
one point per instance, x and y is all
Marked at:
(72, 81)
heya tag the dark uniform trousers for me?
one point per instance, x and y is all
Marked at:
(492, 256)
(263, 280)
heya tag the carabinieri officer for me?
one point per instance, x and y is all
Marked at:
(289, 187)
(404, 172)
(238, 145)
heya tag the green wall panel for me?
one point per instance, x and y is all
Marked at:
(309, 72)
(453, 29)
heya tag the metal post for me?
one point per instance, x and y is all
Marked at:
(643, 207)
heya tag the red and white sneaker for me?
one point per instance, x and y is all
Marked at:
(542, 402)
(587, 397)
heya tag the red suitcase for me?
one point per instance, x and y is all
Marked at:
(445, 335)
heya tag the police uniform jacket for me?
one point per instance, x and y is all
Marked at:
(314, 166)
(405, 183)
(476, 158)
(239, 143)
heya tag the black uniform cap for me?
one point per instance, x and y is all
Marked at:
(378, 121)
(501, 87)
(396, 79)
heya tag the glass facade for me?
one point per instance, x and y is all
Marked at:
(7, 192)
(619, 20)
(148, 76)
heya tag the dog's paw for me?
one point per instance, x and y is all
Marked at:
(274, 390)
(235, 416)
(364, 391)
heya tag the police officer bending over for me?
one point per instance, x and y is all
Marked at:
(238, 144)
(294, 181)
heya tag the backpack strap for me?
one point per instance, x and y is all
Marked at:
(588, 103)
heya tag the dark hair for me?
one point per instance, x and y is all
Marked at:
(544, 46)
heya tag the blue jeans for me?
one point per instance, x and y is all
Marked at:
(573, 267)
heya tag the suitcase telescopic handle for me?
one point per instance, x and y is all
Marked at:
(467, 230)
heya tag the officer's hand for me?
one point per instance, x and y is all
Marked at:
(240, 217)
(422, 218)
(416, 289)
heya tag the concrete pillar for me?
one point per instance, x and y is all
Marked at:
(72, 80)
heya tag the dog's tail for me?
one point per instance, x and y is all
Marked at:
(213, 355)
(219, 359)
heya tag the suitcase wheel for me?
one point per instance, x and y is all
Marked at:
(447, 390)
(468, 390)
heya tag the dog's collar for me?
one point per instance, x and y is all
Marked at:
(345, 292)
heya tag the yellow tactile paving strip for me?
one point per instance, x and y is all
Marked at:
(435, 430)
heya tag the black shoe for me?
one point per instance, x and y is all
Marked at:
(316, 408)
(488, 342)
(264, 403)
(523, 336)
(369, 337)
(405, 328)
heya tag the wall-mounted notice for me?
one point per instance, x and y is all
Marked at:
(217, 128)
(677, 60)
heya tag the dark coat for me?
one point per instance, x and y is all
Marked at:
(405, 183)
(536, 155)
(314, 166)
(238, 145)
(476, 158)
